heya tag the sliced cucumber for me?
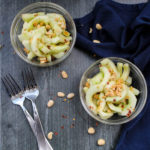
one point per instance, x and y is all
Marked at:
(128, 81)
(96, 79)
(111, 65)
(134, 91)
(57, 49)
(119, 68)
(102, 109)
(126, 72)
(59, 55)
(28, 17)
(129, 108)
(34, 45)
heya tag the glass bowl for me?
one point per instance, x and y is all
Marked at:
(138, 82)
(46, 7)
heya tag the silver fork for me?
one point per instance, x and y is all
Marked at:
(31, 92)
(18, 97)
(16, 94)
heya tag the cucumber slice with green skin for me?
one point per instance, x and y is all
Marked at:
(126, 72)
(57, 49)
(106, 76)
(28, 17)
(114, 108)
(117, 99)
(27, 44)
(129, 81)
(54, 40)
(85, 89)
(43, 48)
(25, 35)
(96, 88)
(49, 58)
(60, 19)
(96, 79)
(111, 65)
(57, 29)
(59, 55)
(119, 68)
(34, 45)
(129, 108)
(31, 55)
(103, 114)
(134, 91)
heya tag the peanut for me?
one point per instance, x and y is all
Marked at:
(60, 94)
(96, 41)
(64, 74)
(70, 95)
(50, 135)
(98, 26)
(91, 130)
(101, 142)
(50, 103)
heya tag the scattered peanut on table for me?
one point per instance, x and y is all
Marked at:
(91, 130)
(70, 95)
(50, 135)
(101, 142)
(98, 26)
(50, 103)
(64, 74)
(60, 94)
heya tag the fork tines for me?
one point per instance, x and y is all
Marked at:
(11, 85)
(28, 78)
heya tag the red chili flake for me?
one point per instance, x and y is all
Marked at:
(122, 106)
(90, 107)
(63, 116)
(72, 126)
(2, 33)
(129, 113)
(114, 100)
(107, 82)
(97, 123)
(62, 127)
(55, 133)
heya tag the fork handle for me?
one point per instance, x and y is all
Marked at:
(41, 139)
(29, 118)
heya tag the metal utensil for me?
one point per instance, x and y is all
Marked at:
(31, 92)
(16, 94)
(18, 97)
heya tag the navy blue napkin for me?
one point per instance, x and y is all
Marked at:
(125, 33)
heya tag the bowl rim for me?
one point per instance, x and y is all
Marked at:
(105, 121)
(30, 7)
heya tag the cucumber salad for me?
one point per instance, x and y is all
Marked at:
(110, 90)
(44, 36)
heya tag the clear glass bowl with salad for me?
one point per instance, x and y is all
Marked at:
(113, 90)
(43, 34)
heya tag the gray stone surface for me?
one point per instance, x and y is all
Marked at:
(15, 133)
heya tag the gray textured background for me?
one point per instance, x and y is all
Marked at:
(14, 129)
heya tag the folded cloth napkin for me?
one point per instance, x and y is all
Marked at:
(125, 33)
